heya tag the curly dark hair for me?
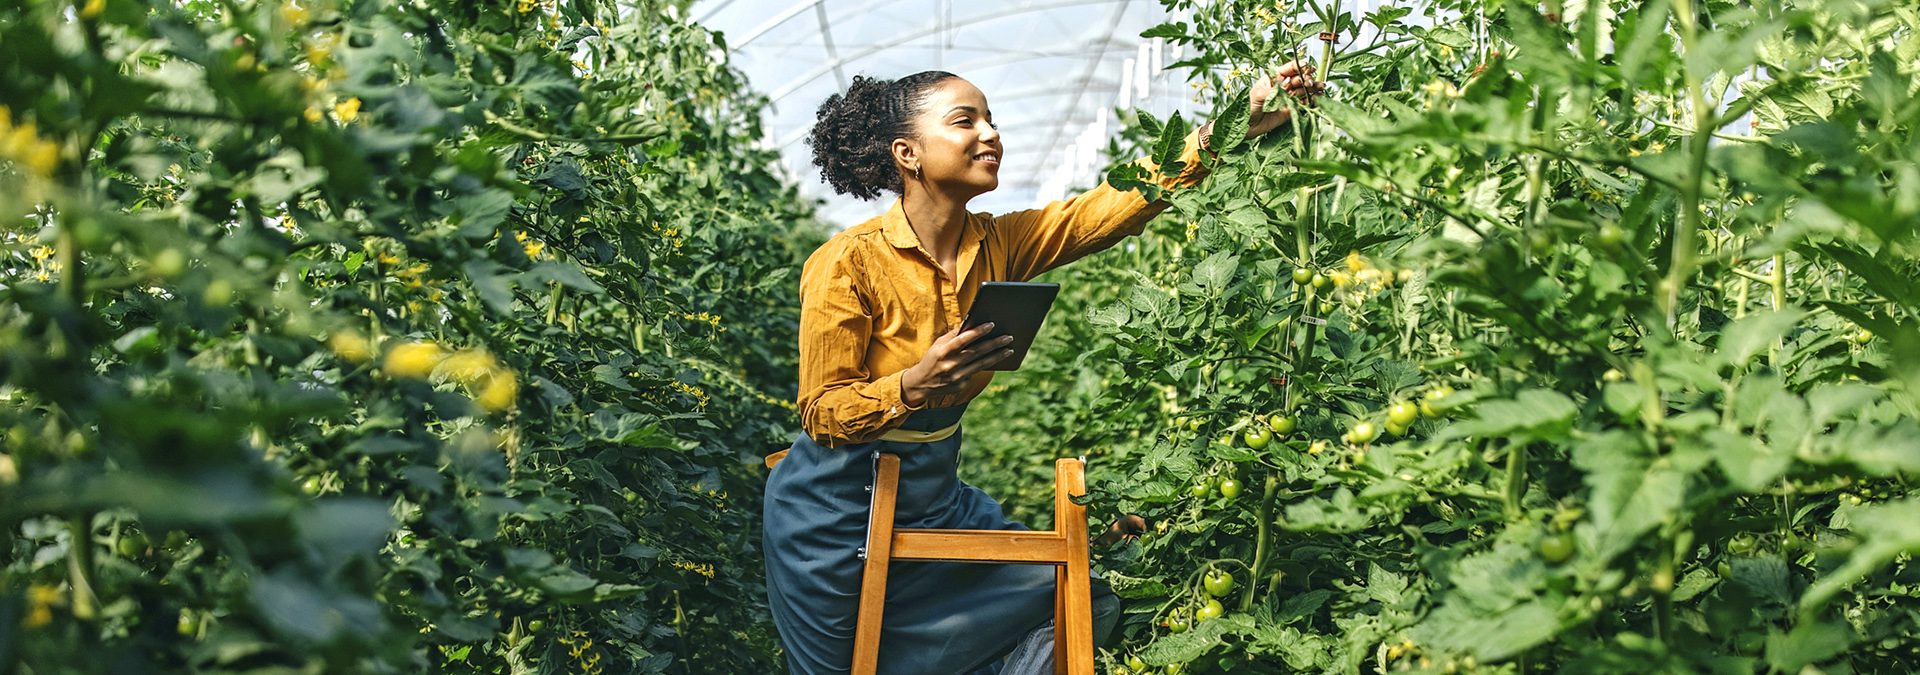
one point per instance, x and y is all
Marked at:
(853, 132)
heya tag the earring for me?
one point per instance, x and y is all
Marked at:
(917, 175)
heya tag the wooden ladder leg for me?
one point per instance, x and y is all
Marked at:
(1059, 619)
(1070, 520)
(879, 550)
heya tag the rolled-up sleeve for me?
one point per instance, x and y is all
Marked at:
(1064, 231)
(839, 404)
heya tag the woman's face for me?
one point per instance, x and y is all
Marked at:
(958, 147)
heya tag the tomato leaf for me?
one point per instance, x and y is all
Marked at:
(1808, 643)
(1184, 647)
(1749, 335)
(1172, 145)
(1230, 123)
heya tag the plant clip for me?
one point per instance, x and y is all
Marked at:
(1280, 381)
(1328, 36)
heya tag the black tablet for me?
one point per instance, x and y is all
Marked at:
(1015, 308)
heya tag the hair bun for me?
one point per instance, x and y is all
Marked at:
(853, 132)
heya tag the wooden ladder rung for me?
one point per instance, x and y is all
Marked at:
(987, 546)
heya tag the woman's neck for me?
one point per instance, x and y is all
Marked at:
(937, 220)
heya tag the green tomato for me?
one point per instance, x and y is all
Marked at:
(168, 262)
(311, 486)
(1280, 425)
(1556, 548)
(1613, 375)
(1396, 429)
(1200, 488)
(1193, 424)
(1363, 433)
(1212, 610)
(189, 623)
(1320, 280)
(1302, 275)
(1175, 668)
(536, 626)
(1258, 437)
(132, 544)
(1177, 623)
(1723, 569)
(1135, 663)
(1402, 414)
(1230, 488)
(1861, 336)
(1742, 544)
(1218, 583)
(218, 293)
(1611, 236)
(1429, 405)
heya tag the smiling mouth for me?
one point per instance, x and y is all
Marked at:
(989, 157)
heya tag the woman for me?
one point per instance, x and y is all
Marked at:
(884, 365)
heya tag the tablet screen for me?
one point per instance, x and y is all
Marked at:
(1015, 308)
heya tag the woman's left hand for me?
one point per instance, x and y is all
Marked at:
(1296, 77)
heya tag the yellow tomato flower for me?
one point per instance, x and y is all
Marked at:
(40, 601)
(468, 366)
(351, 346)
(500, 393)
(293, 14)
(413, 359)
(346, 110)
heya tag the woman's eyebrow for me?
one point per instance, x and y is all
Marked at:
(966, 108)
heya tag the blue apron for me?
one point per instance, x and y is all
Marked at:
(941, 618)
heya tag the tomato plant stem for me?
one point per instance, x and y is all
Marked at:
(1516, 479)
(1682, 263)
(68, 251)
(1264, 521)
(1778, 280)
(80, 565)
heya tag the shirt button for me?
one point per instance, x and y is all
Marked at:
(894, 409)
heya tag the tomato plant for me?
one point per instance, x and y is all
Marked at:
(362, 332)
(1641, 270)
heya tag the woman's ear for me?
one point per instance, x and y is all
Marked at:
(906, 154)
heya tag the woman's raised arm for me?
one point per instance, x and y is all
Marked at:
(1064, 231)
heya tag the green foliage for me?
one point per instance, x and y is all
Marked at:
(1668, 374)
(364, 336)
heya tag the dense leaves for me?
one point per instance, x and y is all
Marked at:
(1645, 270)
(373, 336)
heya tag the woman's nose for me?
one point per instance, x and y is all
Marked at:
(989, 133)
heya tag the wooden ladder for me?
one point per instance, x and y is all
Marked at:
(1065, 547)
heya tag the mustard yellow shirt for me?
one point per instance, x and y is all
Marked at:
(872, 299)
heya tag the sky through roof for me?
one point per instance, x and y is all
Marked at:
(1054, 71)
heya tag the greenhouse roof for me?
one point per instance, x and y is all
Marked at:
(1054, 70)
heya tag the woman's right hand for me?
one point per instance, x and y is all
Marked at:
(953, 359)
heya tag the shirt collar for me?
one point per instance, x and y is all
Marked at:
(901, 235)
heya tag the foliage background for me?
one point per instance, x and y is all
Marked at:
(1658, 252)
(373, 336)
